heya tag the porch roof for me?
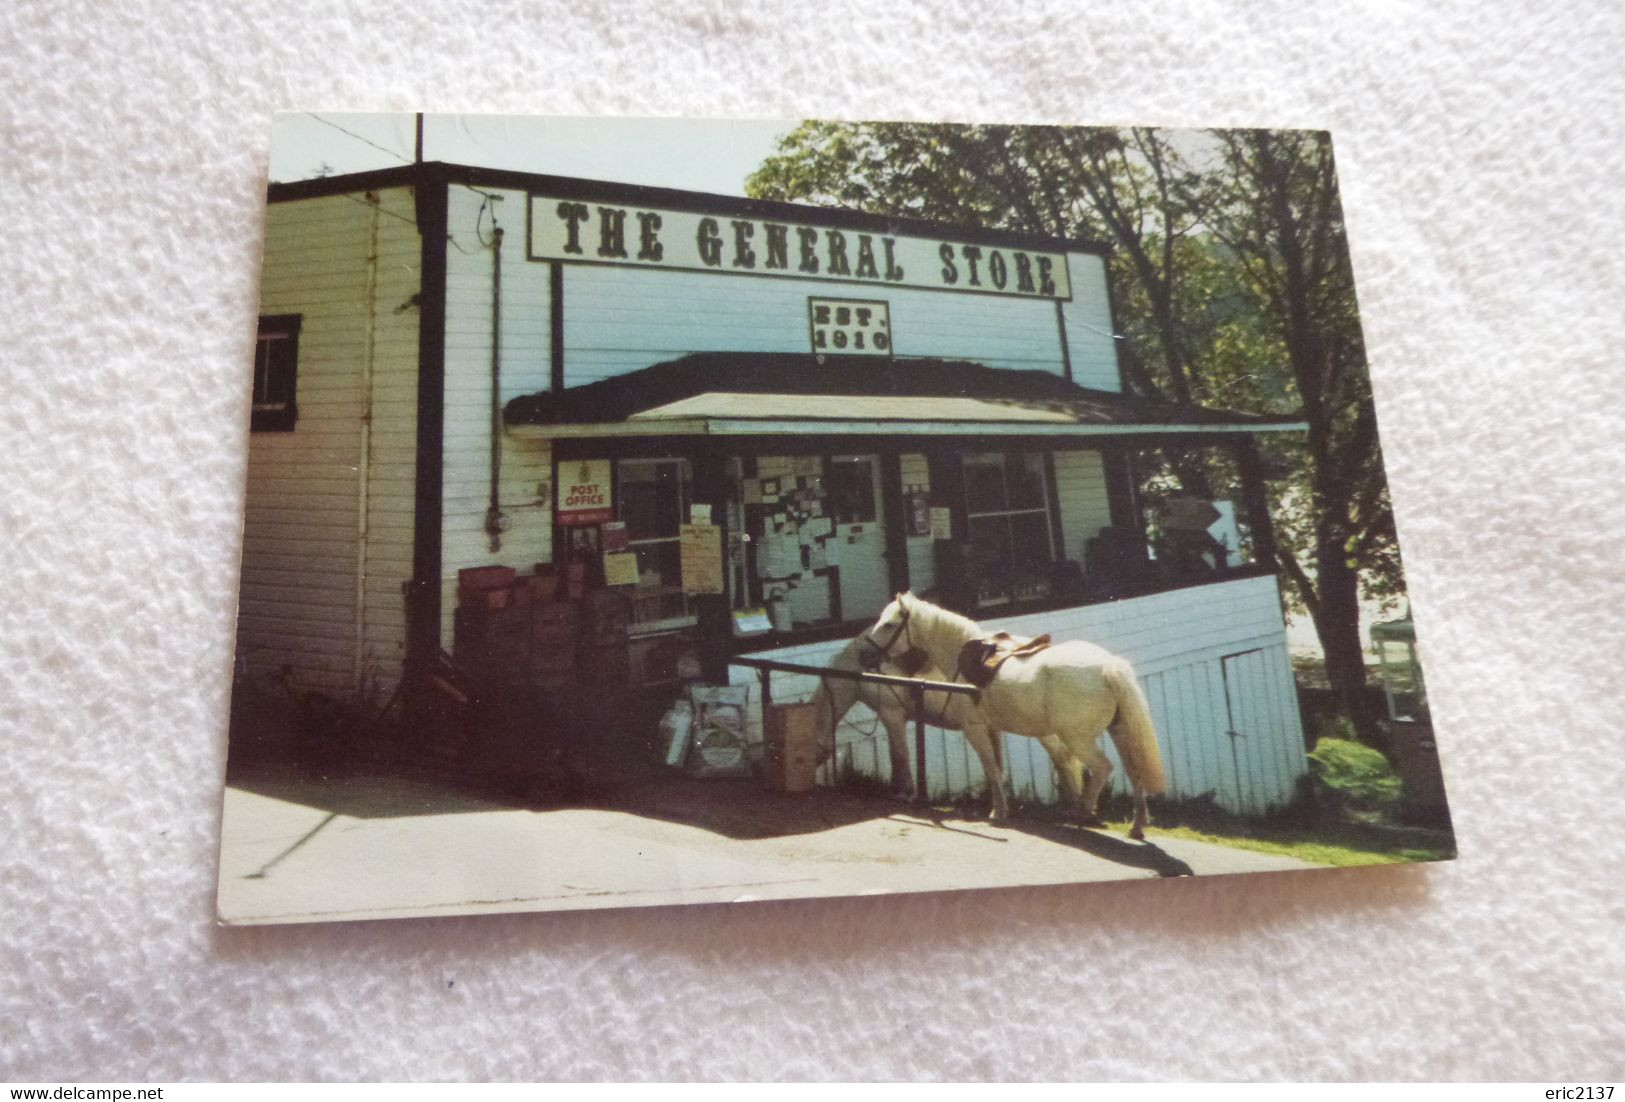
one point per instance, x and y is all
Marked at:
(749, 393)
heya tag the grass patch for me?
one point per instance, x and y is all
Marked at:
(1347, 812)
(1342, 844)
(1343, 820)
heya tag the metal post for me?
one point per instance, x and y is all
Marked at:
(920, 794)
(767, 691)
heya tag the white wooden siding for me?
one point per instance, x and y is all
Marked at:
(1088, 322)
(1080, 491)
(1185, 644)
(621, 319)
(391, 497)
(526, 369)
(302, 553)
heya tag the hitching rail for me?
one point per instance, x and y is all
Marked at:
(766, 667)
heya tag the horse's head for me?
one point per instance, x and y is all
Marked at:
(890, 640)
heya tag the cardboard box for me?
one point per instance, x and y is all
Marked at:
(793, 748)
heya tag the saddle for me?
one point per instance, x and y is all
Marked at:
(980, 659)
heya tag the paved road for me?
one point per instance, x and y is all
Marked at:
(385, 847)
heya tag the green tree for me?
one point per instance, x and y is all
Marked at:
(1062, 182)
(1272, 200)
(1231, 268)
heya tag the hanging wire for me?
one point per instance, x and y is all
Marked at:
(479, 221)
(1098, 329)
(487, 197)
(383, 210)
(358, 137)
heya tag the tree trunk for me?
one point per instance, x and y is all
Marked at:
(1337, 622)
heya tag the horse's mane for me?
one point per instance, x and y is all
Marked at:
(939, 616)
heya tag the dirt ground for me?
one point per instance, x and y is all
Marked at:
(364, 845)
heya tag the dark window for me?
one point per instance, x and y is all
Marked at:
(850, 485)
(1007, 497)
(276, 370)
(1191, 502)
(653, 500)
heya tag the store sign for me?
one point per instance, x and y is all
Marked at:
(850, 326)
(648, 237)
(584, 489)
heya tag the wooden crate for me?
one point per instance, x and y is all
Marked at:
(492, 645)
(606, 667)
(793, 748)
(555, 635)
(486, 586)
(606, 614)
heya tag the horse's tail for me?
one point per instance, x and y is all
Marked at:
(1132, 731)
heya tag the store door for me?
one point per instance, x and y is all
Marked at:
(860, 535)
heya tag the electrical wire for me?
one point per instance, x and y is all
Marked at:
(479, 220)
(1098, 329)
(382, 210)
(487, 196)
(359, 138)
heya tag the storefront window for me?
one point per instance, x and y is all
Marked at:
(653, 499)
(851, 487)
(1191, 503)
(1011, 544)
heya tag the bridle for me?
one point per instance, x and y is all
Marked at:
(870, 661)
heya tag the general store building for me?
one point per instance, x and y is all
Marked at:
(709, 426)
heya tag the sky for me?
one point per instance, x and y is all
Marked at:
(699, 155)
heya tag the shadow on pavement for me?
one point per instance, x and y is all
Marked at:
(1108, 847)
(743, 809)
(364, 794)
(740, 809)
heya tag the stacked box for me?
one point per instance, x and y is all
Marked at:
(492, 644)
(603, 666)
(554, 632)
(606, 613)
(793, 749)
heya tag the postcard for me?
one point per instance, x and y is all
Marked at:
(650, 512)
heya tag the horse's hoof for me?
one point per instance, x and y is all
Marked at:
(1091, 821)
(1137, 834)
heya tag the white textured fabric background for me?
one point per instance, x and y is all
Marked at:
(1481, 155)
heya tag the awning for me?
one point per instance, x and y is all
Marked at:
(741, 394)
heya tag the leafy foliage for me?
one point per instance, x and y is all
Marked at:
(1231, 273)
(1354, 775)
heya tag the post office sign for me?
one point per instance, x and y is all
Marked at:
(584, 492)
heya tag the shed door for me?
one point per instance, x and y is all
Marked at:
(1265, 752)
(853, 487)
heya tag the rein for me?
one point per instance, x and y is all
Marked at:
(902, 629)
(872, 654)
(910, 662)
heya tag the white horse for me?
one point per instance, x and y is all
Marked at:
(1066, 696)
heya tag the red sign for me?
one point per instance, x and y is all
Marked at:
(584, 492)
